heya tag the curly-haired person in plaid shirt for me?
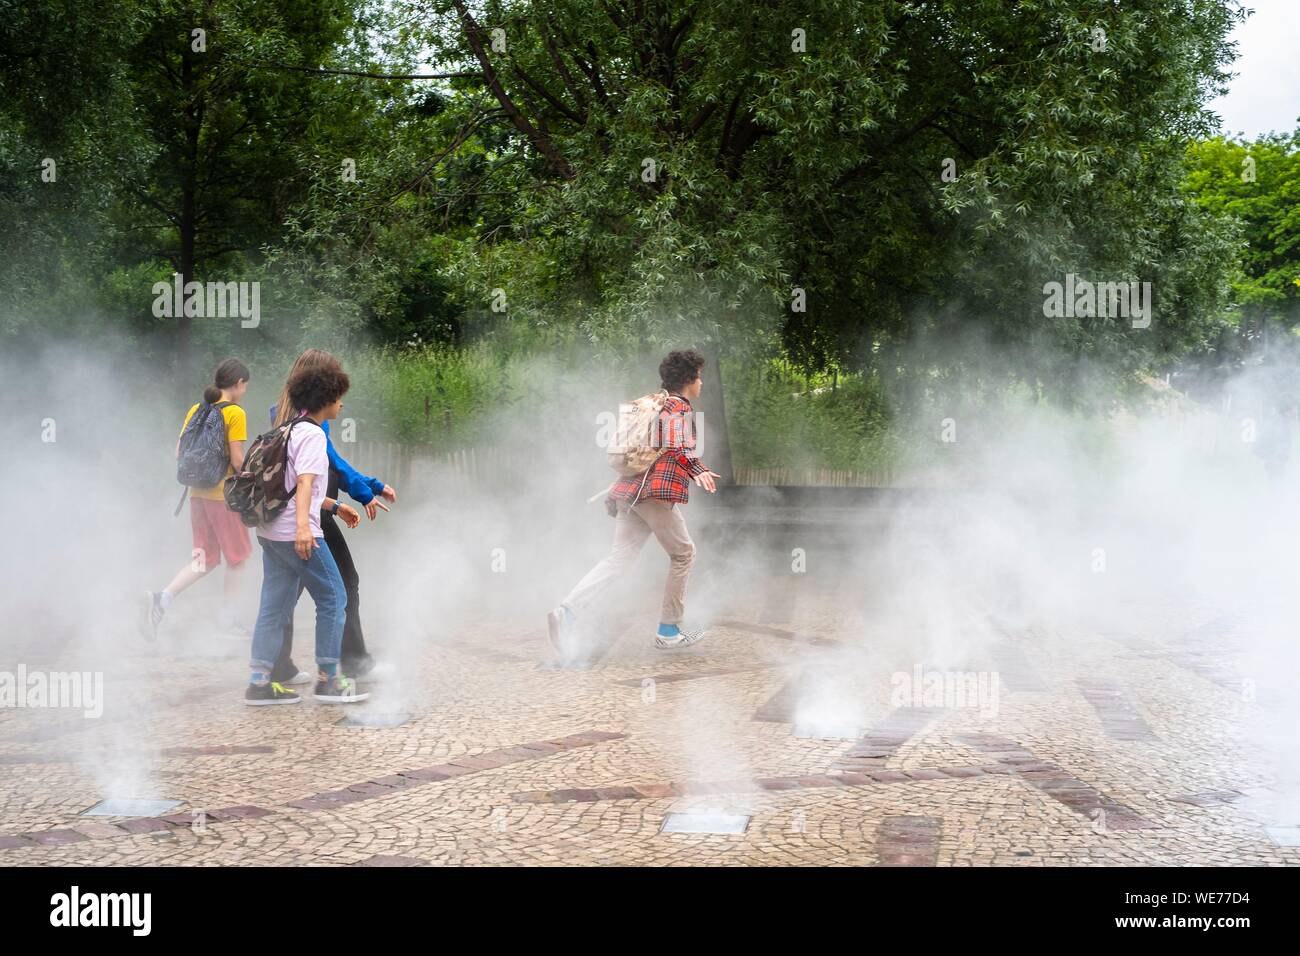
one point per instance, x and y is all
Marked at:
(647, 504)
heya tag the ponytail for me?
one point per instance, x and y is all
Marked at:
(228, 373)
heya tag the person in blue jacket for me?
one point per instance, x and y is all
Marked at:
(370, 493)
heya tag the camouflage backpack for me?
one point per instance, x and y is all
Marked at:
(257, 492)
(637, 445)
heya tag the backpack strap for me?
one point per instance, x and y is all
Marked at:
(288, 426)
(643, 481)
(199, 417)
(197, 424)
(218, 406)
(663, 402)
(201, 414)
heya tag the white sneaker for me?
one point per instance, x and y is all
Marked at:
(685, 637)
(561, 628)
(302, 677)
(151, 615)
(555, 628)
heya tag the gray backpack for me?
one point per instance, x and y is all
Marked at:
(204, 456)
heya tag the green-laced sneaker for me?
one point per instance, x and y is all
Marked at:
(338, 690)
(272, 692)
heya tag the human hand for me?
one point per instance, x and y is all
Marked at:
(705, 480)
(349, 515)
(303, 542)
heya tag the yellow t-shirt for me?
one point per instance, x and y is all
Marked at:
(236, 430)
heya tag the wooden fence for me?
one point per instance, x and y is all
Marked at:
(410, 466)
(414, 466)
(816, 477)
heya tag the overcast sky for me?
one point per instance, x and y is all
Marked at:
(1265, 95)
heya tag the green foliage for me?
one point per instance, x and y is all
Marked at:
(64, 100)
(629, 176)
(820, 169)
(428, 394)
(1257, 186)
(778, 417)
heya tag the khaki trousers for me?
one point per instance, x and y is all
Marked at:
(632, 526)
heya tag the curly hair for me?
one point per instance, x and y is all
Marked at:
(285, 409)
(311, 389)
(679, 369)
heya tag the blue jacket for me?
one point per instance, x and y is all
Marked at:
(360, 488)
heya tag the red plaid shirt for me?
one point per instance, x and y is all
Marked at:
(669, 478)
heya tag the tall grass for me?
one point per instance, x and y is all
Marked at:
(779, 418)
(452, 398)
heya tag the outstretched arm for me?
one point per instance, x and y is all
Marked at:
(677, 436)
(677, 433)
(361, 488)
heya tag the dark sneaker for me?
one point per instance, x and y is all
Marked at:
(359, 666)
(272, 692)
(151, 614)
(289, 674)
(338, 690)
(685, 637)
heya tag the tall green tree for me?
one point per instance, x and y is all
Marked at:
(703, 164)
(229, 118)
(1257, 185)
(65, 135)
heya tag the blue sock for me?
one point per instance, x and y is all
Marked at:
(330, 670)
(667, 630)
(259, 677)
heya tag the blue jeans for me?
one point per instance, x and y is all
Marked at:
(284, 575)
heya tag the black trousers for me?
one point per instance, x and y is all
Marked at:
(354, 644)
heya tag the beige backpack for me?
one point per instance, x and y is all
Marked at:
(636, 445)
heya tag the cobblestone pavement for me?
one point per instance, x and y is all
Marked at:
(1103, 749)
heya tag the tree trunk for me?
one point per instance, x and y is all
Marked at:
(715, 441)
(188, 224)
